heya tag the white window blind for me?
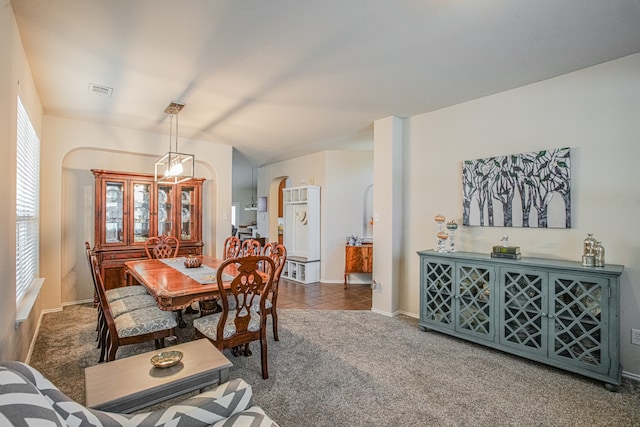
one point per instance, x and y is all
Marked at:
(27, 203)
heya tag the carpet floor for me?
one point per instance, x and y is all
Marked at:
(359, 368)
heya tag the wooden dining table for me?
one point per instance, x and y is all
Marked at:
(172, 289)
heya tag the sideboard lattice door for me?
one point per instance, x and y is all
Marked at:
(523, 320)
(580, 304)
(475, 307)
(439, 293)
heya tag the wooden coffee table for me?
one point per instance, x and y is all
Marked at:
(126, 385)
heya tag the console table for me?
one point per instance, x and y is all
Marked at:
(358, 259)
(555, 312)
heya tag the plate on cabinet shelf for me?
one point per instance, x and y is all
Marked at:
(141, 197)
(112, 195)
(162, 216)
(162, 196)
(186, 215)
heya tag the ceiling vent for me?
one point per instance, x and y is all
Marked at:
(100, 90)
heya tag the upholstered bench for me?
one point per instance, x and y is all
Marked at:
(28, 398)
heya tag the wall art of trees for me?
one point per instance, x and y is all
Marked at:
(519, 190)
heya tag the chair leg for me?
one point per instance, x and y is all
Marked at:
(181, 322)
(247, 351)
(274, 319)
(104, 339)
(113, 348)
(263, 358)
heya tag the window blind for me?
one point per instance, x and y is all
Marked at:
(27, 203)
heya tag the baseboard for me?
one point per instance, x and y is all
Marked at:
(631, 376)
(384, 313)
(83, 301)
(406, 313)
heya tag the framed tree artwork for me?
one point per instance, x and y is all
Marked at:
(518, 190)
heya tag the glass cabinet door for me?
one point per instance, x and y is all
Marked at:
(187, 212)
(165, 210)
(114, 216)
(141, 212)
(474, 302)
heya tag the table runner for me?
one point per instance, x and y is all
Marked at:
(204, 274)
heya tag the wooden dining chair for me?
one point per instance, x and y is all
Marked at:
(250, 247)
(161, 247)
(239, 327)
(122, 299)
(231, 247)
(278, 253)
(158, 247)
(115, 293)
(132, 327)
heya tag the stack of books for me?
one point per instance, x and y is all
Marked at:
(508, 252)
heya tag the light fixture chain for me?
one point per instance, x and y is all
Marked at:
(170, 130)
(177, 133)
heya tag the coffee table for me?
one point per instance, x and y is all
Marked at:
(126, 385)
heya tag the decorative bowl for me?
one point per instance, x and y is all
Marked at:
(166, 359)
(192, 262)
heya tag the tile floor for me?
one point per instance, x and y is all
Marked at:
(324, 296)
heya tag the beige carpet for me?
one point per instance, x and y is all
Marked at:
(358, 368)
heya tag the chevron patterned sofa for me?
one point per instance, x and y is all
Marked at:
(28, 399)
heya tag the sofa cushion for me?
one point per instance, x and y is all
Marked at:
(22, 404)
(203, 409)
(252, 417)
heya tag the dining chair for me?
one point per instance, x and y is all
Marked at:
(250, 247)
(158, 247)
(278, 253)
(231, 247)
(124, 299)
(237, 328)
(161, 247)
(132, 327)
(115, 293)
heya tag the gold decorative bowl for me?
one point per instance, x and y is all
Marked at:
(166, 359)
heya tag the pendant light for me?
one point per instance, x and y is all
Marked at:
(174, 167)
(253, 206)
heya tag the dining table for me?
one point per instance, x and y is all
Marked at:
(176, 286)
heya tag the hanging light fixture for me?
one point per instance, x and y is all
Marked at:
(253, 206)
(174, 167)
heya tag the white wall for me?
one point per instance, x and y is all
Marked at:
(343, 177)
(349, 174)
(14, 342)
(596, 112)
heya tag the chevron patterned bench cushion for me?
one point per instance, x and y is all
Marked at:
(28, 398)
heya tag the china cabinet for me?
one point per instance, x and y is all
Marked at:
(555, 312)
(130, 208)
(302, 233)
(357, 259)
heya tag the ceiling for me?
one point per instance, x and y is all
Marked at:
(282, 78)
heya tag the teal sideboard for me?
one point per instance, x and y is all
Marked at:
(551, 311)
